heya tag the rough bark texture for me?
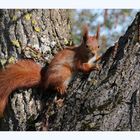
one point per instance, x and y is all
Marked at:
(104, 100)
(36, 34)
(108, 99)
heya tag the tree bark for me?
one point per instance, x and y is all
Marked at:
(104, 100)
(108, 99)
(36, 34)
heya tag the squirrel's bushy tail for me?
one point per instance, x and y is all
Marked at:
(24, 73)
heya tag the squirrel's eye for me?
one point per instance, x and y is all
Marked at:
(98, 46)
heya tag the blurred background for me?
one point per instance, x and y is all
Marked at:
(113, 23)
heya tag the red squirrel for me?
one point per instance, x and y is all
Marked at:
(27, 73)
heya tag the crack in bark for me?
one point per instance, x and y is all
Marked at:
(132, 106)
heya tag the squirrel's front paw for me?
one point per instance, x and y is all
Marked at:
(98, 67)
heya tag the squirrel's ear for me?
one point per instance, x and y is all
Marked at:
(98, 32)
(85, 33)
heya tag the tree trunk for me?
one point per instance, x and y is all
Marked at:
(104, 100)
(36, 34)
(108, 99)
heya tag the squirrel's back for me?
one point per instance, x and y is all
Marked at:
(24, 73)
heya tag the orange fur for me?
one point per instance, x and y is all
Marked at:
(71, 60)
(26, 73)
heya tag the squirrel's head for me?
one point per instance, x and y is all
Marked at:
(90, 42)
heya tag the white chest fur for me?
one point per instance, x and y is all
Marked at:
(92, 60)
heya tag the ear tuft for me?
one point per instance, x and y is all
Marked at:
(85, 32)
(98, 32)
